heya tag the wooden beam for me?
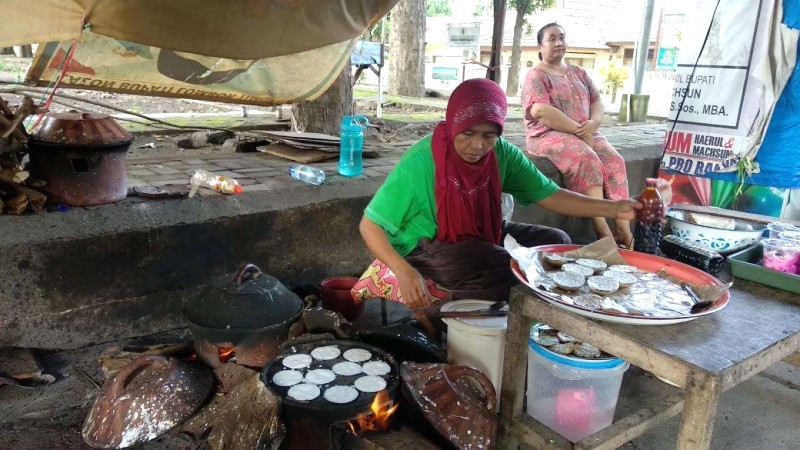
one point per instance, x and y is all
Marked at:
(699, 412)
(634, 425)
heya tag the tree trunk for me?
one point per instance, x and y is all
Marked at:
(613, 95)
(324, 115)
(516, 51)
(495, 71)
(25, 51)
(407, 49)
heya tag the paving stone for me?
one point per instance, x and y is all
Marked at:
(269, 184)
(164, 170)
(383, 169)
(171, 181)
(229, 173)
(370, 172)
(195, 162)
(261, 169)
(141, 172)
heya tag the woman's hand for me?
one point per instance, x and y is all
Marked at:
(412, 287)
(587, 128)
(625, 209)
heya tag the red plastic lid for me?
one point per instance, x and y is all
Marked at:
(237, 189)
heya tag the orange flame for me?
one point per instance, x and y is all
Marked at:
(382, 409)
(226, 353)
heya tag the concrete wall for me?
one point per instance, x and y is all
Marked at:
(99, 274)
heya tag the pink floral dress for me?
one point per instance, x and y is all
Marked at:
(583, 167)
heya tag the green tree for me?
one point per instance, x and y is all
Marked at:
(523, 8)
(614, 77)
(437, 8)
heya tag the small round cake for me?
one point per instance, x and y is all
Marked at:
(590, 301)
(303, 392)
(569, 281)
(625, 279)
(326, 353)
(595, 264)
(340, 394)
(320, 376)
(623, 268)
(573, 267)
(370, 383)
(602, 285)
(377, 368)
(287, 378)
(346, 368)
(557, 260)
(357, 355)
(297, 361)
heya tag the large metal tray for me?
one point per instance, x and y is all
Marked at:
(746, 264)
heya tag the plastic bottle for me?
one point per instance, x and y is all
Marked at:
(307, 174)
(647, 232)
(219, 183)
(352, 145)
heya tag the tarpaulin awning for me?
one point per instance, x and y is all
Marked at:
(259, 52)
(234, 29)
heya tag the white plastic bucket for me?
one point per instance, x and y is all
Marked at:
(574, 397)
(477, 342)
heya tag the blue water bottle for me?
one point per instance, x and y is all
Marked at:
(352, 145)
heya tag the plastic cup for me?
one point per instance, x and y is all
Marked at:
(793, 236)
(778, 227)
(781, 255)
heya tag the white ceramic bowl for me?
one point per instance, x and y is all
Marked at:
(720, 240)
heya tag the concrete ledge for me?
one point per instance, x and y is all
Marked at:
(123, 270)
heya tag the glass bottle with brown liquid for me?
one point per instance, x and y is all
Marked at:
(647, 231)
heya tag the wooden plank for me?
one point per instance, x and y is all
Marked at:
(634, 425)
(793, 359)
(296, 154)
(534, 434)
(699, 411)
(609, 340)
(730, 213)
(515, 355)
(743, 370)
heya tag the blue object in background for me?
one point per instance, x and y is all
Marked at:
(779, 156)
(352, 145)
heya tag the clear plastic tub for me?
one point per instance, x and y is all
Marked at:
(777, 227)
(781, 255)
(574, 397)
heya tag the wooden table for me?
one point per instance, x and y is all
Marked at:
(707, 356)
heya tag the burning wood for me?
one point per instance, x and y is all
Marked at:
(226, 353)
(378, 419)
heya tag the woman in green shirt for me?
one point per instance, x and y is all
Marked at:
(438, 214)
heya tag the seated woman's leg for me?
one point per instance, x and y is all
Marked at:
(470, 269)
(528, 235)
(578, 163)
(615, 183)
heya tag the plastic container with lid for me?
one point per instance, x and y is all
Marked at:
(477, 342)
(778, 227)
(575, 397)
(781, 255)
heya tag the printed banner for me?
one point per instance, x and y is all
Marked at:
(107, 64)
(719, 106)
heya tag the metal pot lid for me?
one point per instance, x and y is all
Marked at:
(246, 300)
(144, 400)
(77, 128)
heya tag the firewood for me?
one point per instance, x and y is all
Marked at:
(2, 206)
(36, 199)
(14, 176)
(35, 183)
(113, 359)
(17, 205)
(245, 417)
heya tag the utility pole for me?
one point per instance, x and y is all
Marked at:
(500, 8)
(644, 47)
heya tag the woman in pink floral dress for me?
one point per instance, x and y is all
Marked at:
(563, 111)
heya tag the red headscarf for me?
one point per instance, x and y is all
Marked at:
(468, 195)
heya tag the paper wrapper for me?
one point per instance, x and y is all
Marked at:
(654, 295)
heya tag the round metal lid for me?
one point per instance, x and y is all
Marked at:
(81, 128)
(246, 300)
